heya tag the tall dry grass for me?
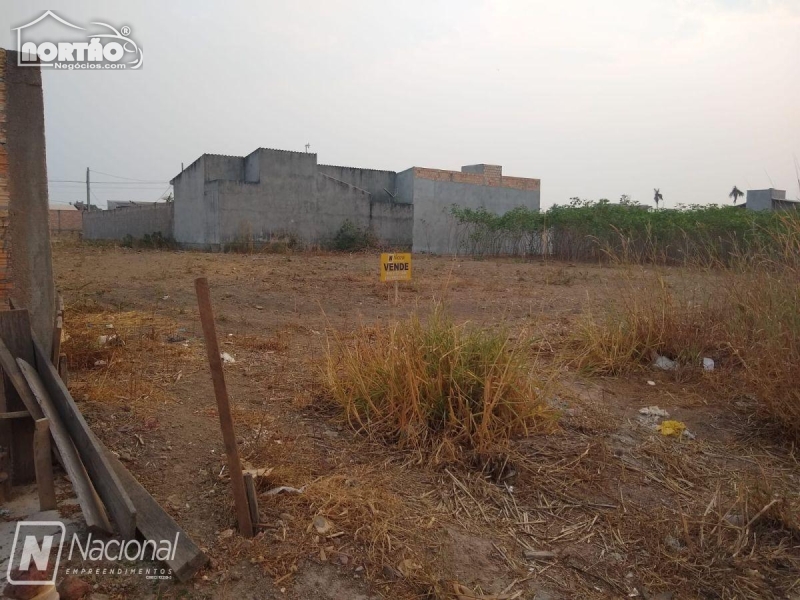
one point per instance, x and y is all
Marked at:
(434, 385)
(744, 315)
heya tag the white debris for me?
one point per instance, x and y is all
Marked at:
(708, 364)
(653, 411)
(649, 416)
(664, 363)
(227, 358)
(285, 489)
(650, 382)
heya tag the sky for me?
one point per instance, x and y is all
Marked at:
(596, 99)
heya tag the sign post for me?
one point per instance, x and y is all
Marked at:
(396, 266)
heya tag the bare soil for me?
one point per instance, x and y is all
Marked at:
(625, 511)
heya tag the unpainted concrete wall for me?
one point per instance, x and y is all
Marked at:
(26, 272)
(373, 181)
(277, 195)
(135, 221)
(762, 199)
(435, 192)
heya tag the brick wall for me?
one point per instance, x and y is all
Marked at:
(65, 220)
(490, 177)
(5, 238)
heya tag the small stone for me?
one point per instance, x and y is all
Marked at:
(322, 525)
(72, 588)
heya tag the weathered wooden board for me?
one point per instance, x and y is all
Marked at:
(103, 477)
(155, 524)
(93, 512)
(15, 332)
(43, 460)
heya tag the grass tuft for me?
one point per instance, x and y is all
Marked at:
(434, 385)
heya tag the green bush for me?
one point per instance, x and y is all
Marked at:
(351, 238)
(598, 231)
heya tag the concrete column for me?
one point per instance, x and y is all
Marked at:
(26, 272)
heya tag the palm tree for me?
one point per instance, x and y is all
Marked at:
(657, 197)
(736, 193)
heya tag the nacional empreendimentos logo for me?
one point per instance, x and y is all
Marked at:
(38, 547)
(50, 41)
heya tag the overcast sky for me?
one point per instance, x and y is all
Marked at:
(595, 98)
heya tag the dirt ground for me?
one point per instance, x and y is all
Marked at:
(602, 507)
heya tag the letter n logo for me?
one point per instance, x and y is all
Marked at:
(34, 542)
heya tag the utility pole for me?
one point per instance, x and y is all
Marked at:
(307, 147)
(88, 191)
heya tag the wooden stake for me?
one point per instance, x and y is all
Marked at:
(44, 465)
(396, 286)
(223, 406)
(252, 498)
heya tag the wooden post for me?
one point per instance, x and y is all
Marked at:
(223, 406)
(396, 286)
(44, 465)
(252, 498)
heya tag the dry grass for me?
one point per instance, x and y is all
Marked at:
(121, 358)
(745, 317)
(435, 385)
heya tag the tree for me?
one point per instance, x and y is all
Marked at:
(657, 197)
(736, 193)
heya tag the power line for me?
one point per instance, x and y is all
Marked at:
(128, 178)
(108, 182)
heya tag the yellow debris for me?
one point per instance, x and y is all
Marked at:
(672, 428)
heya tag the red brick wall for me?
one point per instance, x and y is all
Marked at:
(489, 177)
(65, 220)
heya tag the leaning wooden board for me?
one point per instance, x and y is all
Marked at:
(15, 331)
(93, 512)
(155, 524)
(103, 476)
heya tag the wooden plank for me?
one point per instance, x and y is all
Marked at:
(93, 512)
(155, 524)
(103, 477)
(15, 332)
(58, 328)
(63, 369)
(43, 461)
(252, 498)
(17, 414)
(223, 407)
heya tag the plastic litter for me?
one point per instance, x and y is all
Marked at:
(227, 358)
(664, 363)
(708, 364)
(673, 428)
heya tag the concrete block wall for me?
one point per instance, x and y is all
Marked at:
(763, 199)
(435, 191)
(135, 221)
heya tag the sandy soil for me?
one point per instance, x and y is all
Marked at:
(618, 504)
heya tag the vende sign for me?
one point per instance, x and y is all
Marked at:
(396, 266)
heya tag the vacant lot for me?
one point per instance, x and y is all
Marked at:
(598, 504)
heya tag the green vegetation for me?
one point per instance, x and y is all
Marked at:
(154, 240)
(351, 238)
(628, 232)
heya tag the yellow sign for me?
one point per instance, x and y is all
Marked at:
(396, 266)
